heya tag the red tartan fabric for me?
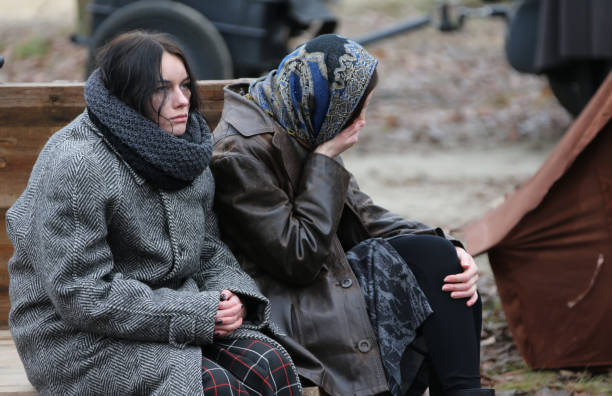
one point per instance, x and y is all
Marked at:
(246, 367)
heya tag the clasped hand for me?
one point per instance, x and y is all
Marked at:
(230, 314)
(463, 285)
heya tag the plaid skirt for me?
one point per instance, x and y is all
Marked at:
(246, 367)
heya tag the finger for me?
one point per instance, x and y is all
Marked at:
(229, 326)
(464, 294)
(353, 129)
(465, 258)
(463, 276)
(229, 310)
(458, 278)
(225, 295)
(350, 131)
(227, 314)
(465, 281)
(472, 300)
(467, 262)
(469, 265)
(450, 287)
(233, 301)
(228, 323)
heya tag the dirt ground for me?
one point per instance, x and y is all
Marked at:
(451, 130)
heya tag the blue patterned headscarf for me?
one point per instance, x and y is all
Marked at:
(316, 87)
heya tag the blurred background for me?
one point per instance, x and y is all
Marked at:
(452, 127)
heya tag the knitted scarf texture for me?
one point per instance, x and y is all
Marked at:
(166, 161)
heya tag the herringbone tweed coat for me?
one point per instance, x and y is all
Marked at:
(114, 285)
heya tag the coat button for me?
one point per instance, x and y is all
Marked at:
(346, 283)
(364, 346)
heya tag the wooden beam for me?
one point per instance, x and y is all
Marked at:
(13, 379)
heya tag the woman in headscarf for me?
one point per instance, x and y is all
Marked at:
(350, 283)
(119, 283)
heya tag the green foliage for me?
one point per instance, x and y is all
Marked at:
(599, 384)
(33, 47)
(530, 381)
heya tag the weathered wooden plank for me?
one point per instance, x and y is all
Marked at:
(55, 104)
(311, 391)
(6, 250)
(56, 117)
(19, 148)
(70, 94)
(41, 95)
(13, 379)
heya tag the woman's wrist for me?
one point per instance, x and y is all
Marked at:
(322, 149)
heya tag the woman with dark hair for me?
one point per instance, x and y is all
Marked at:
(351, 284)
(119, 283)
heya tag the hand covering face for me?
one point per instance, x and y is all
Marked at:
(316, 88)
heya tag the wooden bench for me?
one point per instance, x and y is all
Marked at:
(29, 115)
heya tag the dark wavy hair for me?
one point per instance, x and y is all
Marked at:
(130, 68)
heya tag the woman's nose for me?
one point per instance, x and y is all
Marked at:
(180, 98)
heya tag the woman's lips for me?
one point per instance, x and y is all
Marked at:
(179, 119)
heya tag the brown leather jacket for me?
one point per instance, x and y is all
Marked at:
(289, 215)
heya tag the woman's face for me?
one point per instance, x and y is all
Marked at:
(170, 101)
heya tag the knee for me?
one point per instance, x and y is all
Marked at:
(431, 255)
(270, 359)
(267, 359)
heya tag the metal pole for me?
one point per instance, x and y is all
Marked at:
(394, 30)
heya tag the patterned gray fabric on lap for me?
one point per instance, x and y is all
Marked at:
(396, 304)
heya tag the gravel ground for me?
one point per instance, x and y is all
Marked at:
(451, 130)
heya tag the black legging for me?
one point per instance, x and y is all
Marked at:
(452, 332)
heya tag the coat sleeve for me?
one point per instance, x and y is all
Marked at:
(66, 243)
(380, 222)
(221, 271)
(289, 237)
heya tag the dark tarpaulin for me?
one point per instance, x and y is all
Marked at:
(550, 248)
(570, 29)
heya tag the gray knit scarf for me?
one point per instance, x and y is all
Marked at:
(166, 161)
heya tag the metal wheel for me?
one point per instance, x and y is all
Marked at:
(204, 47)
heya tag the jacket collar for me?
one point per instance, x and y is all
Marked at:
(250, 120)
(244, 115)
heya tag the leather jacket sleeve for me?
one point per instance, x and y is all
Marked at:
(379, 222)
(287, 234)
